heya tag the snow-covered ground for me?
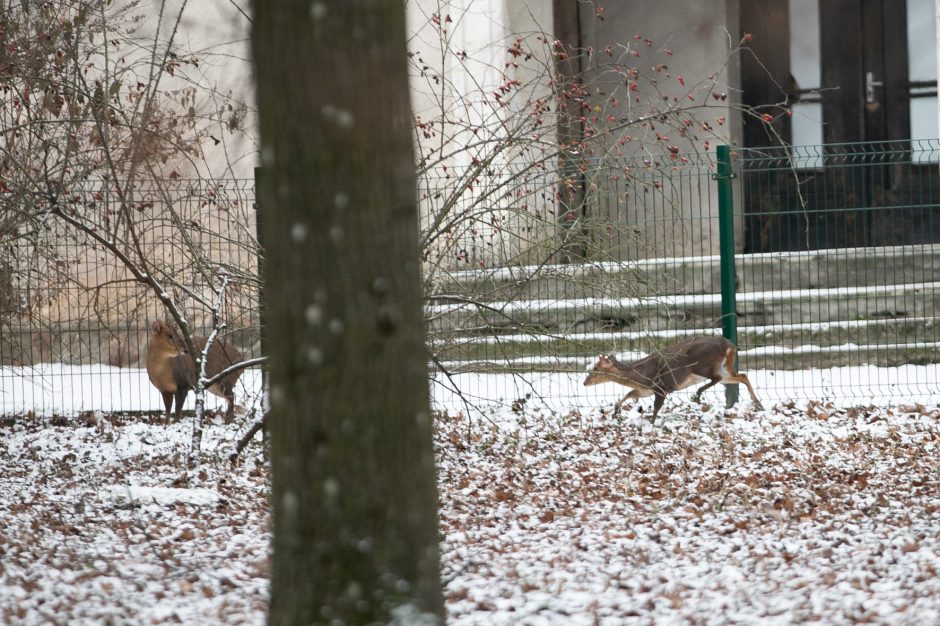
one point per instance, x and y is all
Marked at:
(96, 526)
(810, 515)
(842, 386)
(58, 389)
(552, 511)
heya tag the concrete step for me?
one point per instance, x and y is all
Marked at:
(789, 347)
(819, 269)
(683, 312)
(768, 358)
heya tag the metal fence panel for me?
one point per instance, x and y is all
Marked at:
(836, 277)
(842, 270)
(837, 268)
(75, 324)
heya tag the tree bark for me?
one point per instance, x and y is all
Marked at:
(354, 490)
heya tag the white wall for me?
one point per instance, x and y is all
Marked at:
(459, 67)
(672, 215)
(937, 30)
(219, 32)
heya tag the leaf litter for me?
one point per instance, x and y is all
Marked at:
(795, 515)
(814, 514)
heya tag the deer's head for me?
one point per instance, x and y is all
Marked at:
(605, 370)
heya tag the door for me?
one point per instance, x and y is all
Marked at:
(853, 73)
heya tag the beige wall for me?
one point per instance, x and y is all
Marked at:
(670, 212)
(458, 88)
(219, 32)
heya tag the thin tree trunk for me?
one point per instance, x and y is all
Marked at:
(354, 489)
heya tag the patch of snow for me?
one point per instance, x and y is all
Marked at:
(122, 495)
(562, 391)
(49, 388)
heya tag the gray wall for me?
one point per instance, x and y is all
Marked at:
(702, 36)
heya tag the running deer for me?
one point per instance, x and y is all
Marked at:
(173, 371)
(674, 367)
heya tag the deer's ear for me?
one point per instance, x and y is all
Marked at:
(155, 326)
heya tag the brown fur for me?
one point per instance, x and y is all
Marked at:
(674, 367)
(173, 371)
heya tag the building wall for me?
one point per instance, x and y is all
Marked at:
(700, 34)
(471, 150)
(84, 282)
(219, 32)
(695, 40)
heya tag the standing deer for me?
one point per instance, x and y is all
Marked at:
(674, 367)
(173, 371)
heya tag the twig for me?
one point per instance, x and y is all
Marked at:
(236, 367)
(202, 385)
(249, 435)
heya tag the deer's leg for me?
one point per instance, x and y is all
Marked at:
(618, 403)
(180, 399)
(167, 401)
(697, 398)
(738, 377)
(230, 400)
(633, 395)
(657, 404)
(742, 378)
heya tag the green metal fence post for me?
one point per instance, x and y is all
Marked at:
(729, 317)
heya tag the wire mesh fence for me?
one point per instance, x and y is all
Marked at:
(836, 279)
(633, 269)
(76, 322)
(530, 275)
(840, 274)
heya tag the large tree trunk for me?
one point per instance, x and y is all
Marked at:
(354, 491)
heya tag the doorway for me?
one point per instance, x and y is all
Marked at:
(860, 77)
